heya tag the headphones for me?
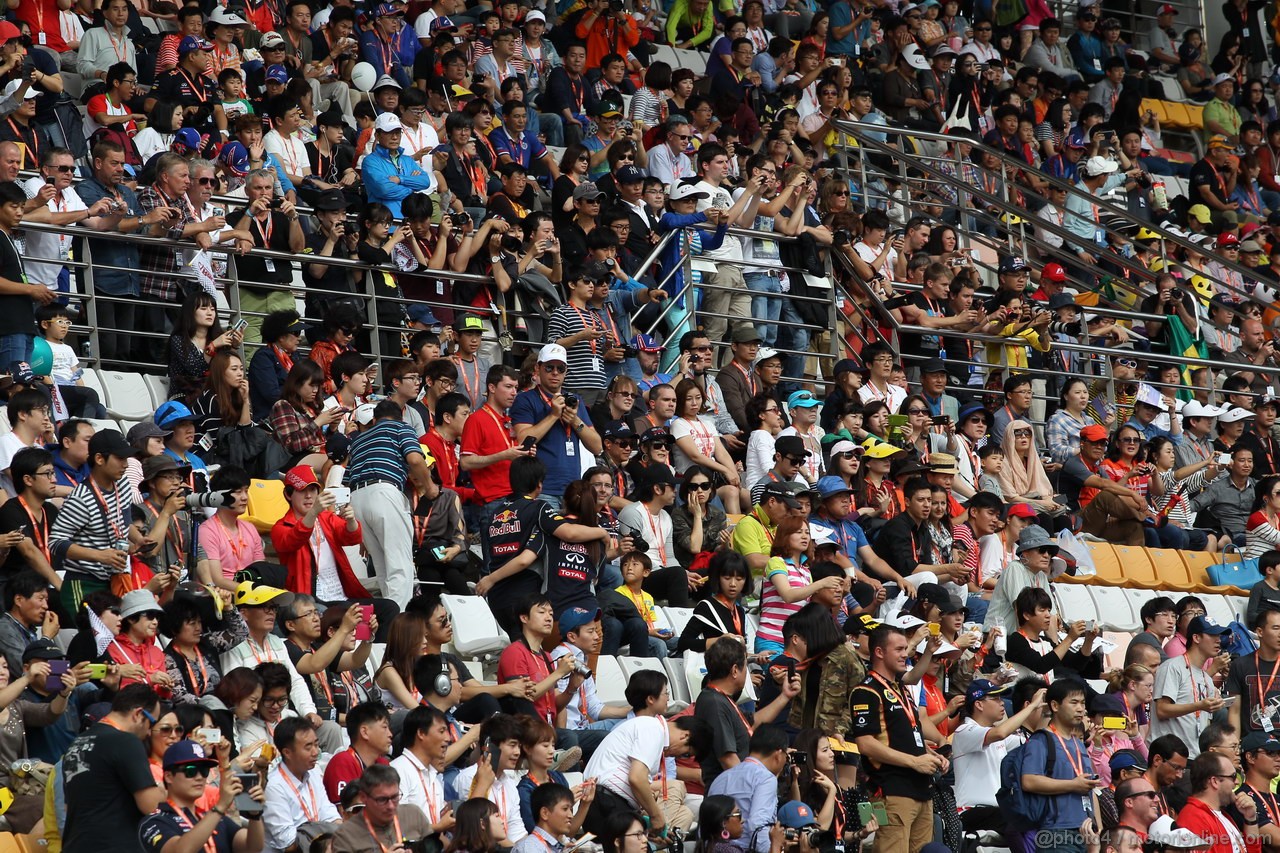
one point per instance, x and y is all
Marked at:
(441, 683)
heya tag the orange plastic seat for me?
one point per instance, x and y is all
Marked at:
(1171, 570)
(1198, 563)
(1110, 571)
(1195, 116)
(1179, 117)
(1157, 107)
(1136, 567)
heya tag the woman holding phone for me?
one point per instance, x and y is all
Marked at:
(17, 717)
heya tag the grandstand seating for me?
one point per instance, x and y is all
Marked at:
(267, 504)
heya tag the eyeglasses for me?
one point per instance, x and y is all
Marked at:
(680, 135)
(147, 714)
(63, 169)
(640, 834)
(555, 368)
(275, 701)
(626, 443)
(704, 486)
(584, 159)
(1129, 439)
(191, 771)
(736, 814)
(841, 192)
(624, 393)
(51, 474)
(207, 182)
(171, 729)
(1022, 433)
(917, 411)
(387, 800)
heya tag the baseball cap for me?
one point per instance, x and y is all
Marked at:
(1022, 510)
(1226, 239)
(657, 475)
(190, 43)
(981, 688)
(796, 815)
(278, 74)
(1013, 265)
(1166, 9)
(142, 431)
(387, 123)
(617, 429)
(1200, 213)
(1094, 432)
(779, 492)
(335, 200)
(235, 157)
(1252, 742)
(1053, 271)
(384, 10)
(575, 617)
(186, 140)
(932, 593)
(1076, 140)
(270, 40)
(933, 365)
(469, 323)
(1218, 80)
(363, 415)
(860, 624)
(586, 191)
(248, 595)
(1205, 625)
(1062, 300)
(170, 413)
(791, 445)
(535, 15)
(553, 352)
(831, 485)
(802, 400)
(109, 442)
(1095, 166)
(628, 175)
(764, 354)
(1218, 140)
(301, 477)
(905, 622)
(646, 343)
(441, 24)
(658, 434)
(187, 752)
(225, 18)
(8, 32)
(683, 192)
(1129, 759)
(42, 648)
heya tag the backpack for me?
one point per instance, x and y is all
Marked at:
(1239, 642)
(1022, 810)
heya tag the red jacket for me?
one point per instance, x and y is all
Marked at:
(1197, 817)
(148, 655)
(292, 542)
(446, 456)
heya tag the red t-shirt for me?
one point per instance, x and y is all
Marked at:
(486, 433)
(344, 768)
(519, 660)
(42, 15)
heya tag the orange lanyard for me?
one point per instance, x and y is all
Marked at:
(432, 809)
(238, 546)
(265, 233)
(312, 813)
(660, 541)
(106, 511)
(174, 531)
(733, 705)
(197, 687)
(39, 530)
(1077, 760)
(504, 425)
(733, 611)
(186, 824)
(268, 653)
(472, 392)
(908, 708)
(568, 430)
(587, 324)
(645, 612)
(395, 841)
(702, 437)
(1257, 665)
(748, 376)
(198, 90)
(1268, 802)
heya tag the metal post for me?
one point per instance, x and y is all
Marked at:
(91, 302)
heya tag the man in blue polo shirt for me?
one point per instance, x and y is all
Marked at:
(563, 432)
(514, 142)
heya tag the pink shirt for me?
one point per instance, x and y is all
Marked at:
(234, 550)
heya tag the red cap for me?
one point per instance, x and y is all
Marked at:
(1226, 238)
(1166, 9)
(1094, 432)
(1021, 511)
(8, 32)
(301, 477)
(1054, 272)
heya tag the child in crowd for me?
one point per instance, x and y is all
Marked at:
(992, 458)
(231, 91)
(636, 566)
(82, 402)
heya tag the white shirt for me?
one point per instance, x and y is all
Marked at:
(668, 167)
(759, 456)
(978, 763)
(250, 654)
(328, 584)
(423, 136)
(284, 811)
(731, 249)
(502, 793)
(893, 395)
(656, 532)
(639, 738)
(420, 785)
(42, 244)
(291, 151)
(10, 444)
(149, 141)
(585, 706)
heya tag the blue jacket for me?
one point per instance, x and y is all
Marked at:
(266, 379)
(64, 474)
(377, 170)
(670, 257)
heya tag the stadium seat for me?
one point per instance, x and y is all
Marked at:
(9, 843)
(1198, 563)
(573, 779)
(677, 684)
(1075, 602)
(91, 379)
(356, 558)
(159, 388)
(99, 424)
(1114, 612)
(1115, 660)
(1171, 570)
(1218, 608)
(1137, 598)
(678, 617)
(267, 504)
(1110, 571)
(65, 636)
(1195, 116)
(376, 652)
(1136, 566)
(475, 631)
(1238, 603)
(632, 665)
(128, 397)
(611, 680)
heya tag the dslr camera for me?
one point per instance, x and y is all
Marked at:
(841, 237)
(571, 401)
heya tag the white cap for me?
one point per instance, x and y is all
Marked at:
(12, 87)
(384, 81)
(553, 352)
(905, 622)
(387, 123)
(942, 649)
(765, 353)
(1196, 409)
(535, 15)
(915, 58)
(1223, 78)
(822, 535)
(363, 414)
(1095, 166)
(1234, 415)
(227, 19)
(681, 191)
(841, 446)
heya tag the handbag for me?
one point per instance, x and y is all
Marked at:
(250, 447)
(1243, 574)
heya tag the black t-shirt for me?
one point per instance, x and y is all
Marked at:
(880, 712)
(17, 313)
(13, 516)
(728, 731)
(102, 770)
(571, 572)
(1204, 175)
(1259, 694)
(164, 824)
(928, 344)
(335, 277)
(274, 236)
(176, 86)
(519, 524)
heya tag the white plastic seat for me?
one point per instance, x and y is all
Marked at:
(475, 631)
(1218, 608)
(695, 669)
(611, 680)
(1238, 604)
(632, 665)
(1139, 597)
(159, 388)
(1074, 602)
(376, 652)
(99, 424)
(91, 379)
(678, 685)
(1114, 612)
(678, 617)
(128, 397)
(574, 779)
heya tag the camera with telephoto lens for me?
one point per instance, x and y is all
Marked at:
(630, 352)
(811, 835)
(208, 500)
(1074, 328)
(511, 244)
(582, 669)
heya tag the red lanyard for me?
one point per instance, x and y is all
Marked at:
(198, 90)
(265, 233)
(568, 430)
(645, 613)
(312, 813)
(35, 139)
(659, 541)
(733, 611)
(388, 54)
(432, 809)
(702, 437)
(186, 824)
(1077, 760)
(106, 511)
(733, 705)
(473, 393)
(268, 653)
(1265, 691)
(504, 424)
(1268, 802)
(587, 324)
(174, 529)
(39, 530)
(909, 709)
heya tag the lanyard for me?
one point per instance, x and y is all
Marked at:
(39, 530)
(312, 813)
(504, 424)
(702, 437)
(645, 612)
(1265, 691)
(185, 822)
(748, 376)
(1077, 760)
(198, 90)
(432, 809)
(1269, 803)
(655, 527)
(33, 143)
(568, 430)
(472, 392)
(106, 511)
(733, 705)
(587, 324)
(908, 708)
(264, 232)
(174, 531)
(395, 840)
(239, 546)
(1191, 677)
(268, 653)
(732, 607)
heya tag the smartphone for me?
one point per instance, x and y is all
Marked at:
(528, 443)
(438, 552)
(211, 735)
(791, 670)
(1115, 724)
(363, 631)
(1228, 701)
(240, 325)
(97, 671)
(341, 495)
(495, 758)
(57, 669)
(585, 839)
(935, 629)
(866, 811)
(246, 804)
(940, 420)
(1224, 458)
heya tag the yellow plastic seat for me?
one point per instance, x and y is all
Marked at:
(1110, 570)
(9, 843)
(1171, 570)
(1157, 107)
(1136, 567)
(1198, 563)
(1195, 116)
(267, 505)
(1179, 116)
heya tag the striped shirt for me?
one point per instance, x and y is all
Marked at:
(381, 453)
(586, 358)
(773, 610)
(91, 521)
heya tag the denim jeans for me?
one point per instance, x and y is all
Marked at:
(551, 126)
(15, 348)
(792, 338)
(765, 308)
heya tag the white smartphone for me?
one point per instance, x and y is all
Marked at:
(341, 495)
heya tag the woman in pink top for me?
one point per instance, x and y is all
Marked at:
(229, 542)
(788, 583)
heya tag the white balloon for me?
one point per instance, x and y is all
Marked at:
(363, 76)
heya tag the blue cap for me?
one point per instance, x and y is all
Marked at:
(796, 815)
(831, 485)
(628, 175)
(1205, 625)
(170, 413)
(190, 43)
(646, 343)
(187, 752)
(22, 373)
(235, 157)
(443, 22)
(575, 617)
(981, 688)
(1076, 140)
(384, 10)
(186, 140)
(975, 409)
(803, 400)
(422, 315)
(277, 74)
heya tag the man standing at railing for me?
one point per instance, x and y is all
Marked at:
(273, 226)
(18, 298)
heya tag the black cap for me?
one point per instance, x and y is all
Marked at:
(330, 200)
(42, 649)
(653, 434)
(779, 492)
(109, 442)
(658, 475)
(934, 365)
(934, 594)
(617, 429)
(330, 118)
(1062, 300)
(791, 445)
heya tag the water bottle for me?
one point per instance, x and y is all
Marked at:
(1159, 196)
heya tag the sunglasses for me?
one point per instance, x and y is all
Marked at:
(704, 486)
(1127, 362)
(841, 192)
(916, 411)
(64, 169)
(1022, 433)
(555, 368)
(795, 460)
(628, 443)
(208, 182)
(191, 771)
(170, 729)
(1129, 439)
